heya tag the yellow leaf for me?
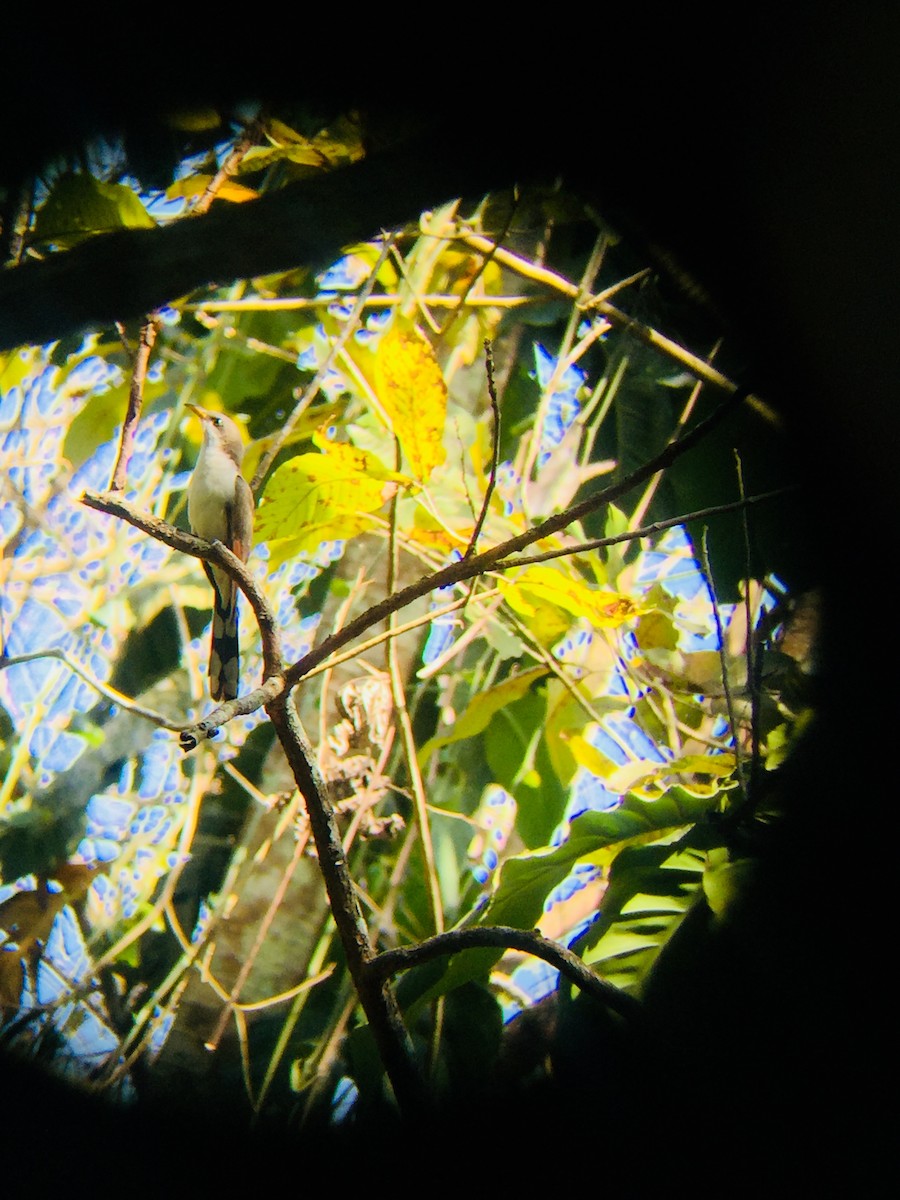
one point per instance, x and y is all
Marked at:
(323, 495)
(590, 757)
(235, 192)
(340, 529)
(196, 185)
(188, 187)
(542, 595)
(412, 392)
(698, 774)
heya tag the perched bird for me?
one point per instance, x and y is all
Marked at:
(220, 508)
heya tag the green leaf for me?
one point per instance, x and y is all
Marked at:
(80, 206)
(594, 837)
(597, 838)
(650, 890)
(482, 709)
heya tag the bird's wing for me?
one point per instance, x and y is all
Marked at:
(241, 519)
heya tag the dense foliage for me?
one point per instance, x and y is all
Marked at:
(562, 742)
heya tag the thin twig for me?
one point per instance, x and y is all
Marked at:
(275, 901)
(382, 300)
(398, 695)
(495, 449)
(723, 661)
(754, 660)
(147, 337)
(102, 689)
(635, 535)
(649, 492)
(228, 168)
(642, 333)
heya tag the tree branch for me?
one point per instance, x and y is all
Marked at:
(132, 272)
(389, 962)
(148, 333)
(278, 679)
(377, 999)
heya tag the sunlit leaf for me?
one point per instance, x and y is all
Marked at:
(544, 595)
(483, 707)
(413, 394)
(651, 888)
(330, 491)
(195, 185)
(80, 205)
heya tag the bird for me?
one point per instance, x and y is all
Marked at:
(220, 508)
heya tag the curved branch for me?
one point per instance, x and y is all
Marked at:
(389, 962)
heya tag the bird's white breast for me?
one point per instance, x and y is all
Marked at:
(210, 492)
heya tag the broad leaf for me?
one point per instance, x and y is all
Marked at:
(482, 709)
(412, 392)
(314, 497)
(79, 206)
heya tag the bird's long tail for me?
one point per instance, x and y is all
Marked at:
(224, 656)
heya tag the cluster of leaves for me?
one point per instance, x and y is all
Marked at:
(545, 746)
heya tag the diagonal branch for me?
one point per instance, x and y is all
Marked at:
(488, 560)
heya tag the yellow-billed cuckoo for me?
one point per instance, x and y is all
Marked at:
(220, 508)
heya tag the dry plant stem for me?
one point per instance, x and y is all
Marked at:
(316, 968)
(102, 689)
(398, 695)
(599, 304)
(501, 936)
(377, 1000)
(228, 168)
(495, 448)
(147, 337)
(565, 357)
(382, 300)
(262, 932)
(723, 662)
(754, 660)
(650, 491)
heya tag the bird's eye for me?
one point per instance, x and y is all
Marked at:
(217, 421)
